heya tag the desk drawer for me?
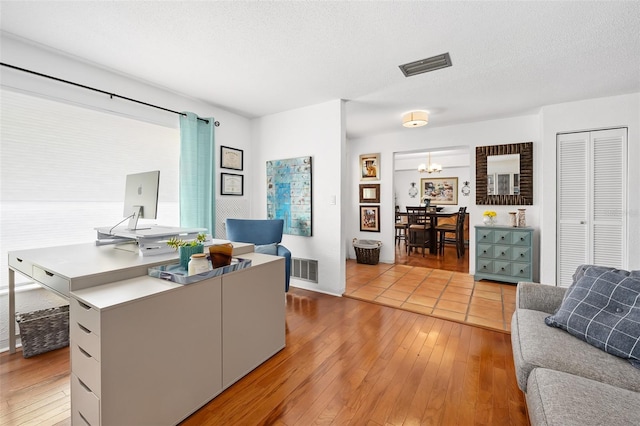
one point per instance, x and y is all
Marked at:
(85, 404)
(84, 315)
(56, 282)
(20, 265)
(87, 368)
(85, 338)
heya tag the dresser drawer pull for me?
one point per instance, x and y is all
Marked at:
(49, 274)
(484, 267)
(521, 254)
(83, 328)
(503, 253)
(502, 238)
(84, 386)
(521, 271)
(18, 259)
(82, 417)
(84, 305)
(85, 353)
(484, 251)
(502, 269)
(521, 238)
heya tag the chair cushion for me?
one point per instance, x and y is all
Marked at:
(603, 308)
(267, 249)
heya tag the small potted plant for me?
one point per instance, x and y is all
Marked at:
(187, 248)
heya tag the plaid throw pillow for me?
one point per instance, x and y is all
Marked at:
(602, 307)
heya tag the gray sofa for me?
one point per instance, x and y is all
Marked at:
(567, 381)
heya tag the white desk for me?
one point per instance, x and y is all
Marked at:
(66, 268)
(149, 351)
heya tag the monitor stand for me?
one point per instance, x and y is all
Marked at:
(133, 222)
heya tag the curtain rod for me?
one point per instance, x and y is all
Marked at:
(111, 95)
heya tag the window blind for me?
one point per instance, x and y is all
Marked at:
(63, 170)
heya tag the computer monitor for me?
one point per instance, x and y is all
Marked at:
(141, 197)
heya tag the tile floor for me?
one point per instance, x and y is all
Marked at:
(445, 294)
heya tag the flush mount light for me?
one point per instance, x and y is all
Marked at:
(415, 119)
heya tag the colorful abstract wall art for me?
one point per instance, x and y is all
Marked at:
(289, 194)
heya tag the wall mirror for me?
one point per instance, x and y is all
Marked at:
(504, 174)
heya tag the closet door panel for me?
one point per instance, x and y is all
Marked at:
(573, 198)
(609, 200)
(592, 201)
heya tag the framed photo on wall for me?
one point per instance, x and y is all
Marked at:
(369, 192)
(231, 184)
(370, 167)
(231, 158)
(370, 218)
(441, 191)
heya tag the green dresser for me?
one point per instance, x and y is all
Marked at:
(504, 253)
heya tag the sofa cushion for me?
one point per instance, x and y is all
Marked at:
(603, 308)
(558, 398)
(536, 345)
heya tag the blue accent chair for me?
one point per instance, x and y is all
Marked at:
(261, 232)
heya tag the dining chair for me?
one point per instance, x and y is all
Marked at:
(419, 224)
(457, 229)
(402, 224)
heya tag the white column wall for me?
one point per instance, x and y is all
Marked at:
(317, 131)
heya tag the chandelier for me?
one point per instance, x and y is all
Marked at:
(431, 168)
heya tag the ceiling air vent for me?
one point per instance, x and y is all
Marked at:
(426, 65)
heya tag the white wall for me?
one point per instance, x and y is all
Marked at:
(615, 111)
(317, 131)
(509, 130)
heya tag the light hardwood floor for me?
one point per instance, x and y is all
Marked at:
(346, 362)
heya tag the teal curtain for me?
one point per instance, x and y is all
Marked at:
(197, 172)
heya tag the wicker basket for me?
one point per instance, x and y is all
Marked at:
(367, 251)
(44, 330)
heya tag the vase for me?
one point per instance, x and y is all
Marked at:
(185, 253)
(522, 220)
(488, 220)
(513, 219)
(220, 254)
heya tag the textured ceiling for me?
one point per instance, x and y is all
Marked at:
(258, 58)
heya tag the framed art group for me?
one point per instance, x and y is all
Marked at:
(232, 159)
(369, 169)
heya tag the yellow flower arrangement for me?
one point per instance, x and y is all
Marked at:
(489, 213)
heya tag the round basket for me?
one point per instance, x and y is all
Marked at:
(367, 251)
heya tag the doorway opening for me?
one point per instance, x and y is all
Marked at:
(442, 190)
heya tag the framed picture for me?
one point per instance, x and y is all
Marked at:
(231, 158)
(231, 184)
(370, 193)
(441, 191)
(289, 194)
(370, 167)
(370, 218)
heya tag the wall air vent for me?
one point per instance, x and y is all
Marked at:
(304, 269)
(426, 65)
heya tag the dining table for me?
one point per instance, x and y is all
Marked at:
(433, 216)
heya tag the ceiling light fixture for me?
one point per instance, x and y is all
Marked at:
(415, 119)
(432, 168)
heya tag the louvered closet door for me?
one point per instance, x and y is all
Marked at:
(592, 176)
